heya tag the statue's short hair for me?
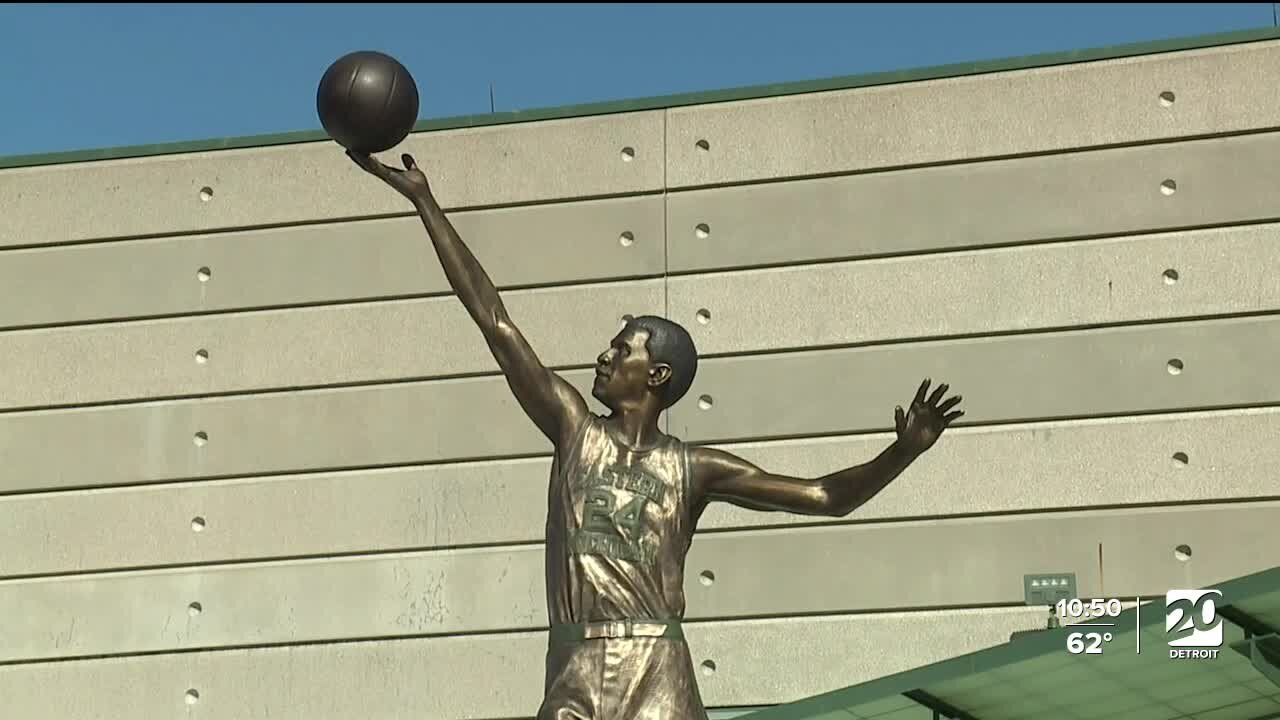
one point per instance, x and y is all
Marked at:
(670, 343)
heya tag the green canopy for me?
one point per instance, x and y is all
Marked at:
(1134, 676)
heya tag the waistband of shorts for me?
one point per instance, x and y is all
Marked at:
(617, 629)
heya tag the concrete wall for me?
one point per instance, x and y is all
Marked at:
(257, 463)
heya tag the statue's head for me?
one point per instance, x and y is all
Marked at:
(651, 359)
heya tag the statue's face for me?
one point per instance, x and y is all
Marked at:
(622, 371)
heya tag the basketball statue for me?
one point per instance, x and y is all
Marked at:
(625, 498)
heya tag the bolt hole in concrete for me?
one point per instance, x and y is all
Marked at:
(628, 154)
(705, 402)
(1169, 187)
(195, 609)
(703, 316)
(203, 274)
(1175, 367)
(201, 439)
(206, 194)
(197, 524)
(1180, 459)
(1182, 553)
(192, 697)
(1170, 276)
(702, 231)
(703, 145)
(707, 578)
(202, 356)
(708, 667)
(626, 239)
(1167, 98)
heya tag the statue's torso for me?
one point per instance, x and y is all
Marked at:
(619, 526)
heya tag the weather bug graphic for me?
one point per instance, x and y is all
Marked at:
(1089, 638)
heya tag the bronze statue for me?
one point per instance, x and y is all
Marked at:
(624, 497)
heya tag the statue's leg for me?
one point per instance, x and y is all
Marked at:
(573, 682)
(651, 679)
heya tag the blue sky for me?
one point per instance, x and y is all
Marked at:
(81, 76)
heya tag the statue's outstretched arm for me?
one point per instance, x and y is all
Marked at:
(719, 475)
(553, 404)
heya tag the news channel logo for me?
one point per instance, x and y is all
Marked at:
(1192, 624)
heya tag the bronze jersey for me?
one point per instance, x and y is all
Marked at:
(619, 525)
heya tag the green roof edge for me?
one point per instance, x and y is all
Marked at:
(1024, 648)
(846, 82)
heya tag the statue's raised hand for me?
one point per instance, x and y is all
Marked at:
(921, 426)
(410, 182)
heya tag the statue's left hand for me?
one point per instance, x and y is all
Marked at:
(921, 426)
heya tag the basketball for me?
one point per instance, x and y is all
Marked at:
(367, 102)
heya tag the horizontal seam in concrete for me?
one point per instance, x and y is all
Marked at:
(1047, 513)
(905, 343)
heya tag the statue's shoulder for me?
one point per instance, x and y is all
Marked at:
(680, 444)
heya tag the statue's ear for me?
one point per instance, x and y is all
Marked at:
(659, 374)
